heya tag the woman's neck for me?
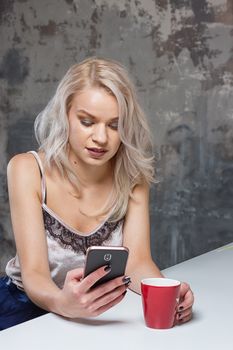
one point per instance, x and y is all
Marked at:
(90, 175)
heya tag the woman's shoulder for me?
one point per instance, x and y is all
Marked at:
(139, 196)
(23, 175)
(25, 161)
(23, 168)
(140, 190)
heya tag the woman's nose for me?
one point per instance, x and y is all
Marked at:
(99, 134)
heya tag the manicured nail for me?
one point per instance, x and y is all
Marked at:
(126, 280)
(107, 268)
(181, 308)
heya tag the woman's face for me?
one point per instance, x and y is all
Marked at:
(93, 127)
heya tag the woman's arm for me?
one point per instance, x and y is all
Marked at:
(24, 187)
(137, 239)
(75, 299)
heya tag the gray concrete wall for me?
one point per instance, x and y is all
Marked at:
(180, 54)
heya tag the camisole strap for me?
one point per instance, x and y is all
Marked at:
(43, 182)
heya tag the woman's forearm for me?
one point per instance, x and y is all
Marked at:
(43, 292)
(140, 271)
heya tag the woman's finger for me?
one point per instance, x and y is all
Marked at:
(109, 305)
(109, 286)
(74, 275)
(184, 319)
(92, 278)
(184, 314)
(186, 298)
(107, 298)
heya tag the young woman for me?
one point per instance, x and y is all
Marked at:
(87, 185)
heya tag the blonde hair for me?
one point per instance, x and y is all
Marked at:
(134, 161)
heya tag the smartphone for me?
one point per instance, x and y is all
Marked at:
(98, 256)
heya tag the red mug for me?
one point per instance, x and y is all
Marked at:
(160, 297)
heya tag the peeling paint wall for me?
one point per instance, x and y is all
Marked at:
(180, 55)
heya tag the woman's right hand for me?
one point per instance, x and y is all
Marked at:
(77, 299)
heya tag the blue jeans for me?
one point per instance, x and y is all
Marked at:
(15, 306)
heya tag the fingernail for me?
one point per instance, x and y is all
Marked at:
(126, 280)
(107, 268)
(181, 308)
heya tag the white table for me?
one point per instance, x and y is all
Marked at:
(122, 327)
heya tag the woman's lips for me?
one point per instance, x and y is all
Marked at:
(96, 152)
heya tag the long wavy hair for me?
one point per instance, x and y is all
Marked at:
(134, 161)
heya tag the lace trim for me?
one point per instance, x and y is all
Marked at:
(70, 240)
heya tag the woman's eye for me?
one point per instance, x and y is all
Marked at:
(86, 122)
(114, 125)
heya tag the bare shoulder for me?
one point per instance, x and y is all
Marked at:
(140, 192)
(136, 225)
(23, 168)
(139, 198)
(21, 162)
(21, 158)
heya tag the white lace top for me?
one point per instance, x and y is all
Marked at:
(66, 246)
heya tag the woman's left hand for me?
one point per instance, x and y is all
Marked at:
(184, 309)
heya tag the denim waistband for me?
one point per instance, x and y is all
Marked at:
(11, 285)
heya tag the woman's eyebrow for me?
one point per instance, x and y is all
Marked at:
(92, 116)
(87, 113)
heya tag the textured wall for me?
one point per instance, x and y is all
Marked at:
(180, 54)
